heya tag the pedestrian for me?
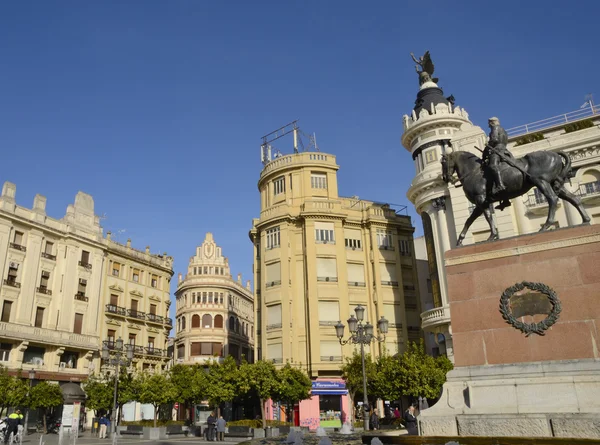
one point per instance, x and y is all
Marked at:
(411, 421)
(374, 420)
(396, 413)
(104, 424)
(20, 427)
(211, 422)
(14, 421)
(221, 424)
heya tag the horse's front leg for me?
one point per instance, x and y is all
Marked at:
(487, 212)
(476, 213)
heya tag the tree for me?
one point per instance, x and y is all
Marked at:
(190, 384)
(352, 374)
(155, 389)
(222, 382)
(43, 396)
(294, 386)
(13, 390)
(263, 379)
(99, 394)
(128, 389)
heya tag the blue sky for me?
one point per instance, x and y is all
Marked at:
(156, 108)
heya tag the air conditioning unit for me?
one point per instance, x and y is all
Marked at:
(62, 365)
(38, 361)
(82, 281)
(14, 265)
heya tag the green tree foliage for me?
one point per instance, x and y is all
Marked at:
(294, 386)
(43, 396)
(385, 384)
(190, 384)
(222, 382)
(13, 390)
(352, 374)
(99, 394)
(155, 389)
(262, 378)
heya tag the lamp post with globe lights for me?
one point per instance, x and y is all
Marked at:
(362, 334)
(115, 355)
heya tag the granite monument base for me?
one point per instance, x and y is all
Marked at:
(508, 383)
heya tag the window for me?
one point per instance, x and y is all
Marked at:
(136, 275)
(329, 313)
(353, 244)
(356, 275)
(204, 297)
(210, 297)
(183, 323)
(217, 349)
(132, 339)
(324, 233)
(85, 259)
(195, 348)
(69, 358)
(81, 287)
(195, 321)
(279, 185)
(273, 274)
(318, 180)
(180, 351)
(116, 269)
(49, 247)
(404, 246)
(44, 281)
(331, 351)
(13, 270)
(134, 307)
(219, 321)
(18, 240)
(275, 352)
(205, 270)
(154, 281)
(114, 299)
(150, 343)
(206, 321)
(393, 313)
(34, 355)
(384, 239)
(232, 324)
(110, 335)
(388, 274)
(273, 238)
(326, 269)
(39, 317)
(153, 309)
(237, 325)
(221, 298)
(205, 348)
(77, 326)
(5, 349)
(274, 317)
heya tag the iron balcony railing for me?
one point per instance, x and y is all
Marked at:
(117, 310)
(44, 290)
(331, 358)
(357, 283)
(85, 264)
(48, 256)
(328, 279)
(554, 121)
(155, 318)
(81, 296)
(589, 188)
(12, 282)
(18, 247)
(136, 314)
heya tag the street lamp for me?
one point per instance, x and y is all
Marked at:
(31, 379)
(362, 334)
(119, 358)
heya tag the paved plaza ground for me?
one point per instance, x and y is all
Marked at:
(88, 438)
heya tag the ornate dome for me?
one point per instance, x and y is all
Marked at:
(428, 97)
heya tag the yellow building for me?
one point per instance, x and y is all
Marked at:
(214, 313)
(319, 255)
(66, 288)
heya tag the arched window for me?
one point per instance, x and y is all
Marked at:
(243, 328)
(218, 321)
(195, 321)
(252, 331)
(206, 321)
(183, 323)
(237, 325)
(231, 324)
(178, 324)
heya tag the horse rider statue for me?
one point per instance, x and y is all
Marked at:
(494, 154)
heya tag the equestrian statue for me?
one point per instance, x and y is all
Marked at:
(499, 177)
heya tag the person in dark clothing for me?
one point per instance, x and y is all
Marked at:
(411, 421)
(374, 420)
(211, 422)
(14, 420)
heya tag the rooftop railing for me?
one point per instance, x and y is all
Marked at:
(550, 122)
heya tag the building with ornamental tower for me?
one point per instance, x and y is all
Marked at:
(214, 313)
(437, 126)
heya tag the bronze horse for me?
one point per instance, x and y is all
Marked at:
(546, 170)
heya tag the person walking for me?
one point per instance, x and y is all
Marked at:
(211, 422)
(14, 420)
(20, 427)
(104, 424)
(411, 421)
(374, 420)
(221, 424)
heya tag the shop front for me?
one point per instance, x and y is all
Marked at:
(328, 406)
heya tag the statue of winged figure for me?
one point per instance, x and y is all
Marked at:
(426, 68)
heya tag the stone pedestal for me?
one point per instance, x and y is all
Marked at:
(506, 383)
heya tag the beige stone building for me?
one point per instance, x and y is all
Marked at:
(61, 297)
(319, 255)
(214, 312)
(436, 126)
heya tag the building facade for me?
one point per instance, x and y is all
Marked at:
(318, 256)
(60, 295)
(214, 313)
(436, 126)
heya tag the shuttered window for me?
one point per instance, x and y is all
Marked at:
(114, 299)
(39, 317)
(324, 232)
(217, 349)
(393, 313)
(326, 269)
(180, 351)
(205, 348)
(329, 313)
(388, 274)
(275, 352)
(273, 274)
(274, 316)
(195, 348)
(356, 274)
(78, 323)
(331, 350)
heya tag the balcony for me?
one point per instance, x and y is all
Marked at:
(357, 284)
(328, 279)
(438, 317)
(44, 290)
(589, 190)
(168, 321)
(50, 336)
(85, 264)
(116, 310)
(150, 350)
(12, 282)
(81, 296)
(153, 318)
(331, 358)
(136, 314)
(48, 256)
(18, 247)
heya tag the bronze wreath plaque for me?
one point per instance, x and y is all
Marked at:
(543, 300)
